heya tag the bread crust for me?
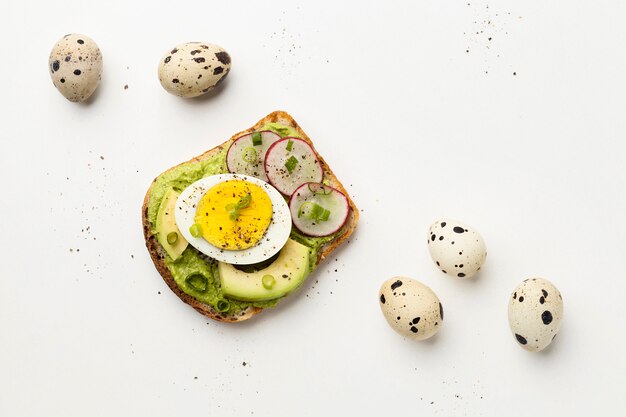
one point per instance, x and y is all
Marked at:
(157, 253)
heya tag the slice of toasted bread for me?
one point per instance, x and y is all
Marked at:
(157, 253)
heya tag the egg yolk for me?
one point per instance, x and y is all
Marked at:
(234, 215)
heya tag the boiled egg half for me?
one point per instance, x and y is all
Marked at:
(234, 218)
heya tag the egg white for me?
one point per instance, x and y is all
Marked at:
(272, 241)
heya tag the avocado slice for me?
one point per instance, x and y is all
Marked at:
(287, 272)
(166, 228)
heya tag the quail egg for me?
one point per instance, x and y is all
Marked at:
(456, 248)
(75, 66)
(535, 313)
(192, 69)
(411, 308)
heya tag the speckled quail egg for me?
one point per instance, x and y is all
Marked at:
(192, 69)
(535, 313)
(411, 308)
(456, 248)
(75, 66)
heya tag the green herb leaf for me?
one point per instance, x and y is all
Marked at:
(172, 237)
(268, 281)
(223, 305)
(233, 209)
(313, 211)
(244, 201)
(249, 155)
(197, 281)
(291, 163)
(257, 139)
(321, 189)
(195, 230)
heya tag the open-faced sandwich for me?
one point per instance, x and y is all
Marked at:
(241, 226)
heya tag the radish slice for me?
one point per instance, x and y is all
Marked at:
(318, 209)
(289, 163)
(246, 154)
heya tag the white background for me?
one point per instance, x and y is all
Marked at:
(421, 116)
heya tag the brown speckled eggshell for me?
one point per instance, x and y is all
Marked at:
(75, 66)
(194, 68)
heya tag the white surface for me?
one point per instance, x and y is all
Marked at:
(521, 137)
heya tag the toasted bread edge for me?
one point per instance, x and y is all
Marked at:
(157, 253)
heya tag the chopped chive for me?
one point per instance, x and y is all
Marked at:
(316, 212)
(322, 190)
(172, 238)
(313, 211)
(256, 139)
(234, 209)
(223, 305)
(291, 163)
(304, 209)
(268, 281)
(195, 230)
(289, 145)
(249, 155)
(244, 201)
(197, 281)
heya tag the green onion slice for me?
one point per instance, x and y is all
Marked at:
(289, 145)
(223, 305)
(244, 201)
(172, 237)
(233, 209)
(256, 139)
(249, 155)
(313, 211)
(195, 230)
(291, 163)
(322, 190)
(197, 281)
(268, 281)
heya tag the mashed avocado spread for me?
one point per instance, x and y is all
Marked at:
(192, 262)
